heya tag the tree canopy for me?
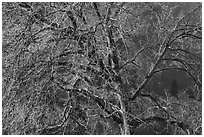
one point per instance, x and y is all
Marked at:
(101, 68)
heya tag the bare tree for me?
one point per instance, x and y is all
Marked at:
(101, 68)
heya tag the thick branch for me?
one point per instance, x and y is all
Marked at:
(123, 112)
(147, 79)
(97, 10)
(110, 109)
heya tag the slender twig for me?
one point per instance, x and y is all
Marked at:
(185, 51)
(181, 19)
(136, 55)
